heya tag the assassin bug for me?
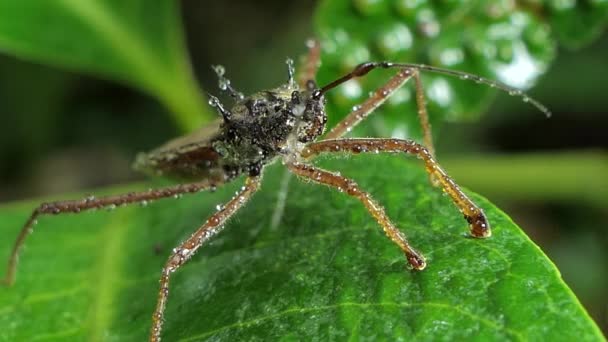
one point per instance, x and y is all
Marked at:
(283, 123)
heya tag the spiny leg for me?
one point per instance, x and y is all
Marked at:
(311, 63)
(76, 206)
(474, 215)
(422, 113)
(379, 97)
(351, 188)
(186, 249)
(366, 108)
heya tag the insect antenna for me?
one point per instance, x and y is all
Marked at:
(364, 68)
(215, 103)
(224, 83)
(291, 71)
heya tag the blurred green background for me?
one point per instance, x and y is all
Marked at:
(63, 131)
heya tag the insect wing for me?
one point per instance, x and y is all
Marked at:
(189, 157)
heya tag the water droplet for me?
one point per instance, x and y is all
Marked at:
(144, 203)
(525, 99)
(111, 207)
(514, 92)
(219, 70)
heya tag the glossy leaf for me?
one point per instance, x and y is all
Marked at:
(133, 42)
(577, 23)
(510, 41)
(325, 272)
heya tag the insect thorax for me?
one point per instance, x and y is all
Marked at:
(254, 131)
(262, 126)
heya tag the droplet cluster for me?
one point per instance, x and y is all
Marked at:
(487, 38)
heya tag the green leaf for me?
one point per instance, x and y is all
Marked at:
(510, 41)
(495, 39)
(578, 23)
(326, 272)
(132, 42)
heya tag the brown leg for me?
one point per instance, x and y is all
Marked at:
(311, 63)
(76, 206)
(379, 97)
(350, 187)
(474, 215)
(186, 249)
(423, 114)
(364, 110)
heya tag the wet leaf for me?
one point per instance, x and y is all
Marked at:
(326, 272)
(510, 41)
(132, 42)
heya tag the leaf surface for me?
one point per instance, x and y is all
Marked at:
(325, 272)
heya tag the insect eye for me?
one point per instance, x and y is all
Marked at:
(240, 110)
(311, 85)
(295, 97)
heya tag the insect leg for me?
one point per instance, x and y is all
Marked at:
(351, 188)
(366, 108)
(76, 206)
(186, 249)
(311, 65)
(474, 215)
(422, 113)
(379, 97)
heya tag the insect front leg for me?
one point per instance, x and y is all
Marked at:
(379, 97)
(77, 206)
(369, 106)
(186, 249)
(376, 210)
(474, 215)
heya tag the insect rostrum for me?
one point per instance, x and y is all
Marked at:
(283, 123)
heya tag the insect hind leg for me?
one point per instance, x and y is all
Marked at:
(88, 203)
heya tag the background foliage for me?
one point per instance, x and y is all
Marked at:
(326, 272)
(65, 131)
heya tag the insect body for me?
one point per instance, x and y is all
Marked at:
(283, 123)
(252, 133)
